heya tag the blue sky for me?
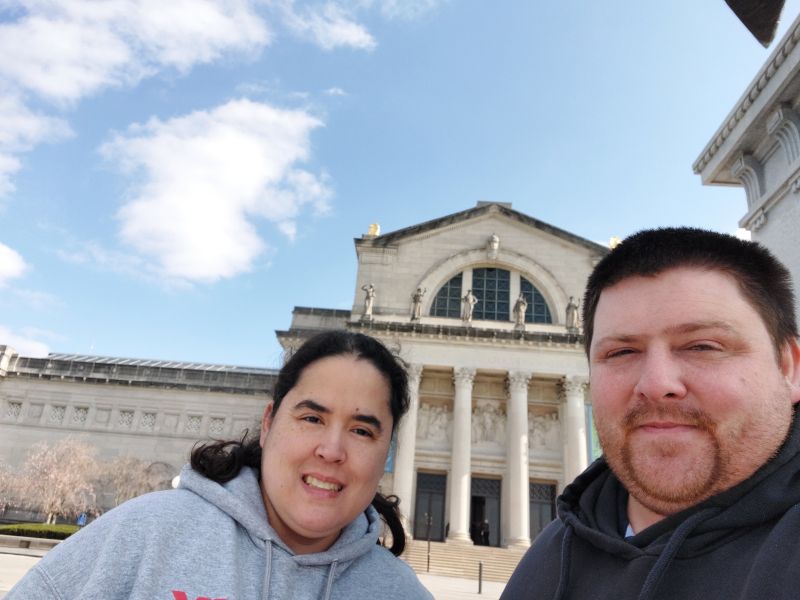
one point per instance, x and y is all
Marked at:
(174, 178)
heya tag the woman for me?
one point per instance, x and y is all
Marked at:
(294, 514)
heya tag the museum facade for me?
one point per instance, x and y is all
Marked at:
(482, 305)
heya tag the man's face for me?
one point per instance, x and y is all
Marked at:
(688, 396)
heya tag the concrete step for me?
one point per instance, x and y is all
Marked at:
(462, 560)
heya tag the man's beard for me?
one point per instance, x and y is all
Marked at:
(667, 475)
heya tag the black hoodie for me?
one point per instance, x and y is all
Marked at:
(741, 544)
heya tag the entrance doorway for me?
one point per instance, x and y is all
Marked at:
(484, 512)
(542, 506)
(429, 507)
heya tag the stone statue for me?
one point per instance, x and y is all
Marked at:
(572, 315)
(369, 301)
(416, 306)
(520, 306)
(488, 424)
(468, 302)
(492, 246)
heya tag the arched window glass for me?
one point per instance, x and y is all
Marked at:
(537, 311)
(447, 302)
(491, 286)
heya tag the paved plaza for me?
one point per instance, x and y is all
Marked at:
(14, 566)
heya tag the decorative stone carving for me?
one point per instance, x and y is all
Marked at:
(148, 421)
(193, 424)
(572, 316)
(463, 376)
(573, 386)
(13, 410)
(784, 124)
(520, 306)
(488, 423)
(468, 303)
(492, 246)
(57, 414)
(434, 423)
(759, 219)
(125, 419)
(416, 303)
(414, 372)
(518, 380)
(79, 415)
(544, 432)
(369, 301)
(750, 172)
(216, 426)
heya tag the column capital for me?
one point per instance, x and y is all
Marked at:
(518, 380)
(463, 375)
(414, 371)
(575, 385)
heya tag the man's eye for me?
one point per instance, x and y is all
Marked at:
(363, 432)
(619, 352)
(703, 347)
(312, 419)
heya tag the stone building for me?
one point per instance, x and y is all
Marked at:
(758, 147)
(151, 410)
(482, 306)
(498, 420)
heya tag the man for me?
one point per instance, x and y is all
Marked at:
(695, 374)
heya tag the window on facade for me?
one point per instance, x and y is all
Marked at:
(447, 302)
(491, 287)
(537, 311)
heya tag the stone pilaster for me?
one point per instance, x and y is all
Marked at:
(517, 459)
(461, 459)
(406, 447)
(574, 424)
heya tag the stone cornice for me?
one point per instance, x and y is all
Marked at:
(449, 333)
(146, 373)
(753, 91)
(393, 237)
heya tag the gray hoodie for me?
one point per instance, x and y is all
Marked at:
(206, 541)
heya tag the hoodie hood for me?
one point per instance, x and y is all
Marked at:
(241, 499)
(595, 506)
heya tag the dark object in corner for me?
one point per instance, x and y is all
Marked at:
(759, 16)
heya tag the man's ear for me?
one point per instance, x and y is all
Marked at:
(790, 367)
(266, 422)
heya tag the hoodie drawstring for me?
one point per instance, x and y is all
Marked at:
(563, 577)
(329, 586)
(670, 550)
(268, 574)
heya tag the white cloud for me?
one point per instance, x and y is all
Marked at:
(335, 91)
(11, 264)
(328, 25)
(36, 300)
(408, 9)
(20, 130)
(24, 345)
(204, 176)
(64, 50)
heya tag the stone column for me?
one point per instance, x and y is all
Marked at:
(574, 411)
(517, 459)
(406, 446)
(460, 461)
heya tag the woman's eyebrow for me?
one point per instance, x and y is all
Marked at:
(370, 420)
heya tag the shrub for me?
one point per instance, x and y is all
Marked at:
(53, 532)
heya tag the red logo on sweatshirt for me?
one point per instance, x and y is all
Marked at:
(178, 595)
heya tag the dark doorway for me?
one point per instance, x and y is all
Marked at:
(429, 507)
(484, 512)
(542, 506)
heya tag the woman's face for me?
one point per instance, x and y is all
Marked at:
(324, 451)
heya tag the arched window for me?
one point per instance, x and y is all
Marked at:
(537, 311)
(447, 302)
(491, 286)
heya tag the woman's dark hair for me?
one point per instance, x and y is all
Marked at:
(221, 461)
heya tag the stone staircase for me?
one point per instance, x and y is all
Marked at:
(456, 560)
